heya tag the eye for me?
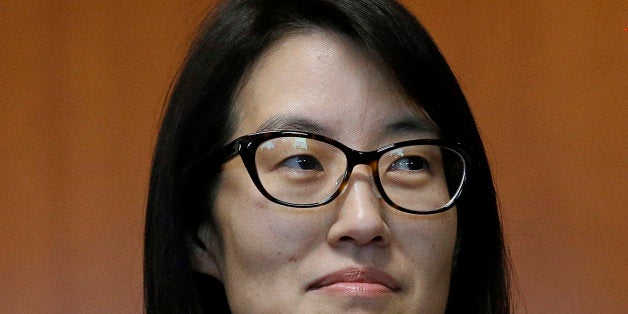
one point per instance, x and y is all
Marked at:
(410, 163)
(302, 163)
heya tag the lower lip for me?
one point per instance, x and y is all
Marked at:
(357, 289)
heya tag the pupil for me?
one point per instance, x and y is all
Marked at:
(306, 163)
(413, 164)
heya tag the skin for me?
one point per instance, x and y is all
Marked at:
(267, 255)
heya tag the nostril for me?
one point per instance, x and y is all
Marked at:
(375, 239)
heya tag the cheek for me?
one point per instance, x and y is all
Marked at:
(258, 236)
(430, 244)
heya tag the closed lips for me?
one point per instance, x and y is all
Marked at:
(356, 276)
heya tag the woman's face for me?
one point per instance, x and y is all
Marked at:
(354, 254)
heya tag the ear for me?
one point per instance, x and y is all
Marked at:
(204, 252)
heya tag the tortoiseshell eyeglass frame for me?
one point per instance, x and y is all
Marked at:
(246, 146)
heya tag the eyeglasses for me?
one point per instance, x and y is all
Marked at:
(299, 169)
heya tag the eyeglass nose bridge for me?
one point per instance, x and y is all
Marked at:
(356, 157)
(371, 159)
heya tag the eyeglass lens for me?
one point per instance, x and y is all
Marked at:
(302, 171)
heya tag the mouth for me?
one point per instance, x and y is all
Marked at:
(356, 282)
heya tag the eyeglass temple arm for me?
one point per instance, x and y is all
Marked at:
(216, 157)
(225, 153)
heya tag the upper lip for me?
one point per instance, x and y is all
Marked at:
(360, 275)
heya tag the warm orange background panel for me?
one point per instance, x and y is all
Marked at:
(81, 92)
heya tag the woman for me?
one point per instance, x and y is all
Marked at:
(319, 156)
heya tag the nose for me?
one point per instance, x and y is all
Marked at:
(360, 221)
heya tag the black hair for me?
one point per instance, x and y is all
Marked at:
(198, 120)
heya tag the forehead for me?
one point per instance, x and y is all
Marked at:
(325, 79)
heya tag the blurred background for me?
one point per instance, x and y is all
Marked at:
(82, 85)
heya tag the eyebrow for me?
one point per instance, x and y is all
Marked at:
(413, 124)
(294, 123)
(407, 124)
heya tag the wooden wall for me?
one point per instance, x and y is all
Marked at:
(81, 92)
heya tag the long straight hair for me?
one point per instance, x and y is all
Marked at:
(197, 121)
